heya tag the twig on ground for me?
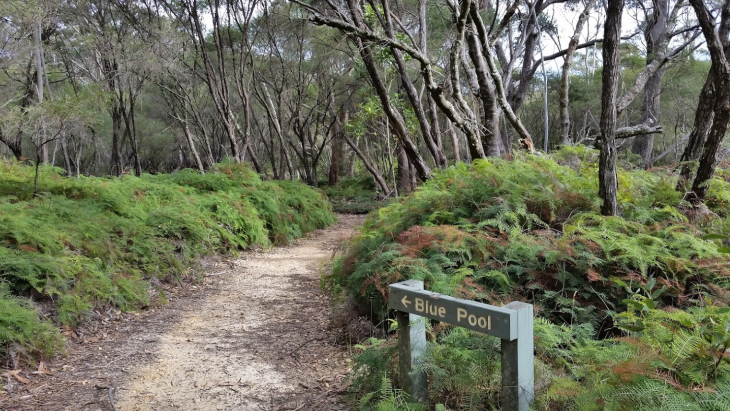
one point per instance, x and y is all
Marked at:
(111, 398)
(110, 393)
(305, 343)
(220, 273)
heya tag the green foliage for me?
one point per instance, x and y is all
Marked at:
(354, 196)
(91, 242)
(529, 230)
(21, 328)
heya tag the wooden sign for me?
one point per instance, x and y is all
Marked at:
(511, 323)
(497, 321)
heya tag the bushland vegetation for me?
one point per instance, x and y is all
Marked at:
(630, 309)
(76, 245)
(405, 93)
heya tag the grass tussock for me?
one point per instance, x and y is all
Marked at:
(88, 242)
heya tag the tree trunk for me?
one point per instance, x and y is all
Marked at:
(487, 95)
(517, 97)
(39, 87)
(509, 113)
(191, 145)
(379, 180)
(704, 117)
(403, 174)
(276, 123)
(116, 166)
(131, 129)
(337, 148)
(565, 76)
(416, 102)
(655, 33)
(718, 45)
(607, 179)
(454, 140)
(396, 120)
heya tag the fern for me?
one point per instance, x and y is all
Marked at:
(97, 241)
(529, 229)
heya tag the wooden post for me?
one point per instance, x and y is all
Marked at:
(512, 323)
(518, 362)
(412, 350)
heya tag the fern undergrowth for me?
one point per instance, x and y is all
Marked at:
(625, 305)
(84, 243)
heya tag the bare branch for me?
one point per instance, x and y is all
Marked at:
(637, 130)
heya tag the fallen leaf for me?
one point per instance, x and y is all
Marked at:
(17, 376)
(42, 369)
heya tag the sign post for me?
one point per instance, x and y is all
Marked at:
(512, 323)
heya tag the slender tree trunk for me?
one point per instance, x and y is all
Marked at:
(39, 86)
(116, 166)
(487, 94)
(337, 156)
(415, 100)
(704, 117)
(565, 76)
(474, 143)
(516, 97)
(655, 33)
(454, 140)
(607, 178)
(131, 129)
(403, 173)
(276, 123)
(66, 158)
(379, 180)
(191, 145)
(396, 121)
(718, 45)
(514, 120)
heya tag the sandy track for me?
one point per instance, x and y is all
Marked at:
(253, 336)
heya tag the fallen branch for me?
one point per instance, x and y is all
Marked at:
(629, 131)
(638, 130)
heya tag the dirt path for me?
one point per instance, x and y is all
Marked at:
(252, 336)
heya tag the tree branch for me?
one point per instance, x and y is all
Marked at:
(637, 130)
(590, 43)
(670, 149)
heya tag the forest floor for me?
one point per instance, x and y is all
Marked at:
(253, 334)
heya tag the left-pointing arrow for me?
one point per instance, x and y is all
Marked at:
(405, 301)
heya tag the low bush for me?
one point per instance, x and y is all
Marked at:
(80, 243)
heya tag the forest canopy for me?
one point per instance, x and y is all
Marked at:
(318, 90)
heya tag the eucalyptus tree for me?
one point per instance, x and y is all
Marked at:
(305, 83)
(564, 99)
(111, 43)
(224, 53)
(607, 178)
(713, 111)
(374, 27)
(25, 32)
(661, 28)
